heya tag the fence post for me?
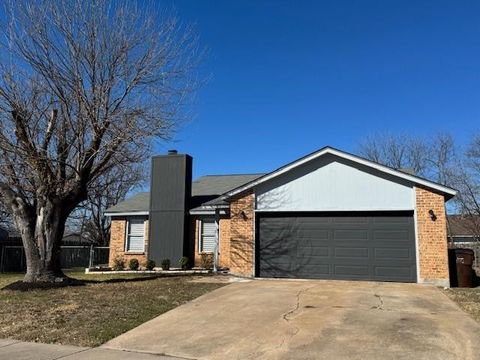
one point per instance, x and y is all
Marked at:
(92, 253)
(1, 259)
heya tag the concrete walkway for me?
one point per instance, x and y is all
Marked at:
(272, 319)
(18, 350)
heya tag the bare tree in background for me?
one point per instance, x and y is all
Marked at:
(438, 159)
(111, 188)
(466, 179)
(5, 218)
(432, 158)
(85, 87)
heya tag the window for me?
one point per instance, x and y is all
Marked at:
(135, 235)
(207, 235)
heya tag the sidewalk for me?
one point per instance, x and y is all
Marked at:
(14, 349)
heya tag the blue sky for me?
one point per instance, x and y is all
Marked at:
(288, 77)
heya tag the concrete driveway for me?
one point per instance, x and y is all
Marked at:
(271, 319)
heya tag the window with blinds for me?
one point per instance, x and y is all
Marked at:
(207, 236)
(135, 235)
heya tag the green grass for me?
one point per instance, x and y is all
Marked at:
(467, 299)
(95, 313)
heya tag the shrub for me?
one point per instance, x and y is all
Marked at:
(133, 264)
(150, 264)
(183, 262)
(207, 261)
(118, 263)
(166, 264)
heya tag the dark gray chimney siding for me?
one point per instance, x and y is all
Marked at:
(170, 194)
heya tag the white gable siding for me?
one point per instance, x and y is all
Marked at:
(333, 184)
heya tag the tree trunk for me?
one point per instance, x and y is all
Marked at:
(42, 234)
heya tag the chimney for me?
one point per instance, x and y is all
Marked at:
(170, 194)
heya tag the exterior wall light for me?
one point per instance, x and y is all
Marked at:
(432, 215)
(244, 216)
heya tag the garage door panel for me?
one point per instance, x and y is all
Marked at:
(351, 253)
(353, 220)
(314, 251)
(337, 247)
(392, 272)
(391, 235)
(392, 253)
(350, 234)
(390, 220)
(353, 271)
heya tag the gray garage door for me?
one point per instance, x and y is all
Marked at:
(367, 247)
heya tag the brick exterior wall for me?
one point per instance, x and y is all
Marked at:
(224, 242)
(242, 234)
(432, 238)
(117, 243)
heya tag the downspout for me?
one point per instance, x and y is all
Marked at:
(215, 251)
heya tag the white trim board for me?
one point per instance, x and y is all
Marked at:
(344, 155)
(129, 213)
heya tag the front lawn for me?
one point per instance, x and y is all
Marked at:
(467, 299)
(105, 307)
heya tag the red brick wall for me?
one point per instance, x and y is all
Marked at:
(432, 237)
(117, 243)
(242, 227)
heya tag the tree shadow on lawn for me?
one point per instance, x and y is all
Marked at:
(70, 282)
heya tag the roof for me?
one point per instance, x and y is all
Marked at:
(446, 191)
(138, 203)
(220, 184)
(463, 226)
(208, 187)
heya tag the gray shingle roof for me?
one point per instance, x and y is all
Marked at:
(138, 202)
(220, 184)
(205, 186)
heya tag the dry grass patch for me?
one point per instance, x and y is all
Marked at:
(467, 299)
(105, 307)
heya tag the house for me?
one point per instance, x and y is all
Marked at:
(327, 215)
(463, 229)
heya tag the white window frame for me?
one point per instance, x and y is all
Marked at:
(127, 236)
(200, 235)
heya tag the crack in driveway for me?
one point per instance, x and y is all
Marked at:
(380, 306)
(286, 317)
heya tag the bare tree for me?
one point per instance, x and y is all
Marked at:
(109, 189)
(397, 151)
(432, 158)
(5, 218)
(85, 87)
(466, 179)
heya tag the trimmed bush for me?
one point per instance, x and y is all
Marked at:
(118, 263)
(166, 264)
(183, 262)
(207, 261)
(133, 264)
(150, 264)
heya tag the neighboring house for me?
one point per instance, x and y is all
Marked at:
(76, 239)
(328, 215)
(463, 230)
